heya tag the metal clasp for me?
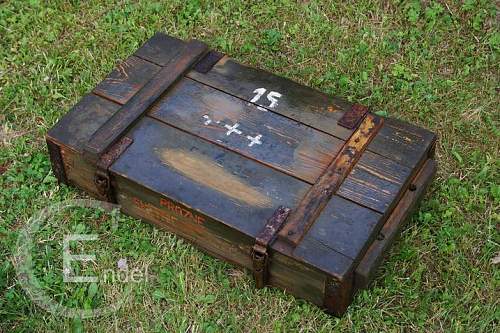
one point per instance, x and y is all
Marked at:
(259, 259)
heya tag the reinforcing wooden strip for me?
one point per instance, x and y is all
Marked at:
(301, 218)
(127, 116)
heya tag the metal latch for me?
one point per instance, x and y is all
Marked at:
(260, 256)
(102, 180)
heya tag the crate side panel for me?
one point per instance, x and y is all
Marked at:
(368, 265)
(212, 236)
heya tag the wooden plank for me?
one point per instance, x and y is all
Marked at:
(160, 49)
(293, 100)
(76, 127)
(228, 121)
(375, 182)
(296, 278)
(126, 80)
(367, 267)
(207, 178)
(317, 197)
(315, 253)
(115, 127)
(402, 142)
(346, 227)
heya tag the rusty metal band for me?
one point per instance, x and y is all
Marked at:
(311, 205)
(260, 257)
(353, 117)
(102, 179)
(57, 162)
(137, 106)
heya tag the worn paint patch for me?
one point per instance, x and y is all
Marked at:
(205, 171)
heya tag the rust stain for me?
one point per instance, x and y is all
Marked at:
(330, 108)
(210, 174)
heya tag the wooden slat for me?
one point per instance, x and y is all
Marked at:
(367, 267)
(402, 142)
(346, 227)
(315, 253)
(76, 127)
(160, 49)
(115, 127)
(375, 182)
(283, 144)
(297, 102)
(126, 79)
(209, 179)
(317, 197)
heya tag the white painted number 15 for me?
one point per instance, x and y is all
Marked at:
(272, 96)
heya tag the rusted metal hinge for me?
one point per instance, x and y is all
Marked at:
(101, 178)
(352, 118)
(260, 256)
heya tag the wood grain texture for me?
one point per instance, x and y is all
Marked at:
(160, 49)
(284, 144)
(76, 127)
(297, 102)
(118, 124)
(304, 215)
(148, 162)
(367, 267)
(375, 182)
(126, 80)
(402, 142)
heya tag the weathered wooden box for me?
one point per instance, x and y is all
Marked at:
(304, 189)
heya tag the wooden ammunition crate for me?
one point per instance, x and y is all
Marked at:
(305, 190)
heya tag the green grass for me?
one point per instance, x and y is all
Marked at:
(435, 64)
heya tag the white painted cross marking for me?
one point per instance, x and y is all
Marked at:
(208, 120)
(254, 140)
(232, 129)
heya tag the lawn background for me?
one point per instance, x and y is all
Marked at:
(432, 63)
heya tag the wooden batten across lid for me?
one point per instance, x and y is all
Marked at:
(128, 115)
